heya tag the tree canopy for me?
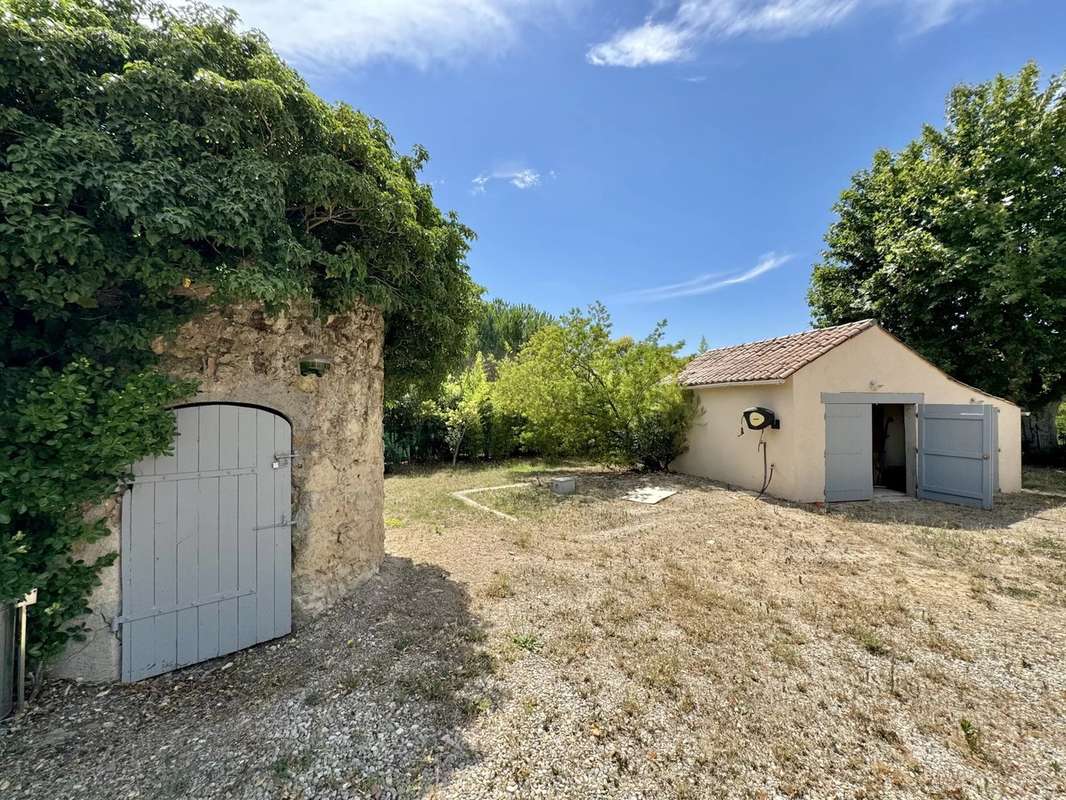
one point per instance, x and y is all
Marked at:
(502, 328)
(153, 160)
(143, 148)
(957, 244)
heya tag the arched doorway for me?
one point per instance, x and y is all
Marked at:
(206, 541)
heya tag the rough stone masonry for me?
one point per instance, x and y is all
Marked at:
(242, 354)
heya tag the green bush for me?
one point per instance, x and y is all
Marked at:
(581, 392)
(68, 438)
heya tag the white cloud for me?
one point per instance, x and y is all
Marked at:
(518, 177)
(651, 43)
(418, 32)
(930, 14)
(523, 179)
(697, 21)
(709, 282)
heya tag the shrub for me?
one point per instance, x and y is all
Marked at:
(582, 392)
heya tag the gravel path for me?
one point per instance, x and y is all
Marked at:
(369, 701)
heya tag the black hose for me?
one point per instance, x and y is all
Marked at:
(767, 471)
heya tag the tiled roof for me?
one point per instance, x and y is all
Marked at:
(768, 360)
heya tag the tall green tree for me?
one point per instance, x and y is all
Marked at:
(583, 392)
(502, 328)
(145, 151)
(957, 244)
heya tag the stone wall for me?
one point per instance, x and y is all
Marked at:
(97, 658)
(241, 354)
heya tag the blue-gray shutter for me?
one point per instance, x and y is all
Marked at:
(957, 454)
(206, 541)
(848, 452)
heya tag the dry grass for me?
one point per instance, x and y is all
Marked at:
(1044, 480)
(716, 645)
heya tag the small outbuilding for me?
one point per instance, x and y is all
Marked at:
(847, 413)
(269, 506)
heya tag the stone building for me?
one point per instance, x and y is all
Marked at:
(270, 506)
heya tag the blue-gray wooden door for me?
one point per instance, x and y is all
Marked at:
(957, 454)
(206, 541)
(849, 458)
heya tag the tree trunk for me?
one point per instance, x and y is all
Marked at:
(1039, 434)
(458, 444)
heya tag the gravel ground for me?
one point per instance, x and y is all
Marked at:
(713, 645)
(371, 700)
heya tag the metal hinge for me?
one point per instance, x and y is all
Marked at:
(185, 476)
(157, 611)
(285, 523)
(287, 458)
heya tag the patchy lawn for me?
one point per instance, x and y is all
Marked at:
(1044, 480)
(713, 645)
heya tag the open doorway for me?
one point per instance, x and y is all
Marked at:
(871, 446)
(889, 448)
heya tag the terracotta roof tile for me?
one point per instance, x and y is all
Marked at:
(768, 360)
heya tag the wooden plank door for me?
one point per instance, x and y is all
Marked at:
(956, 454)
(849, 458)
(206, 541)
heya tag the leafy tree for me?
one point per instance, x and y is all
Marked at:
(474, 421)
(463, 402)
(413, 430)
(149, 159)
(415, 421)
(703, 346)
(957, 244)
(583, 392)
(502, 328)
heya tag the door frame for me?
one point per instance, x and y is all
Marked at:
(239, 403)
(910, 401)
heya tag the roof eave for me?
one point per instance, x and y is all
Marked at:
(722, 384)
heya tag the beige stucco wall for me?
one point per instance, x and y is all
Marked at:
(241, 354)
(872, 361)
(716, 451)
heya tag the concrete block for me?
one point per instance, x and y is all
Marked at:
(564, 486)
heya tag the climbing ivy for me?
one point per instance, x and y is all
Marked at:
(153, 161)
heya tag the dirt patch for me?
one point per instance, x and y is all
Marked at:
(713, 645)
(719, 645)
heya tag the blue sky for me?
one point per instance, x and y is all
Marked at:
(675, 160)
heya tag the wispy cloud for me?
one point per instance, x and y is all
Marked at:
(518, 177)
(659, 41)
(650, 43)
(418, 32)
(706, 283)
